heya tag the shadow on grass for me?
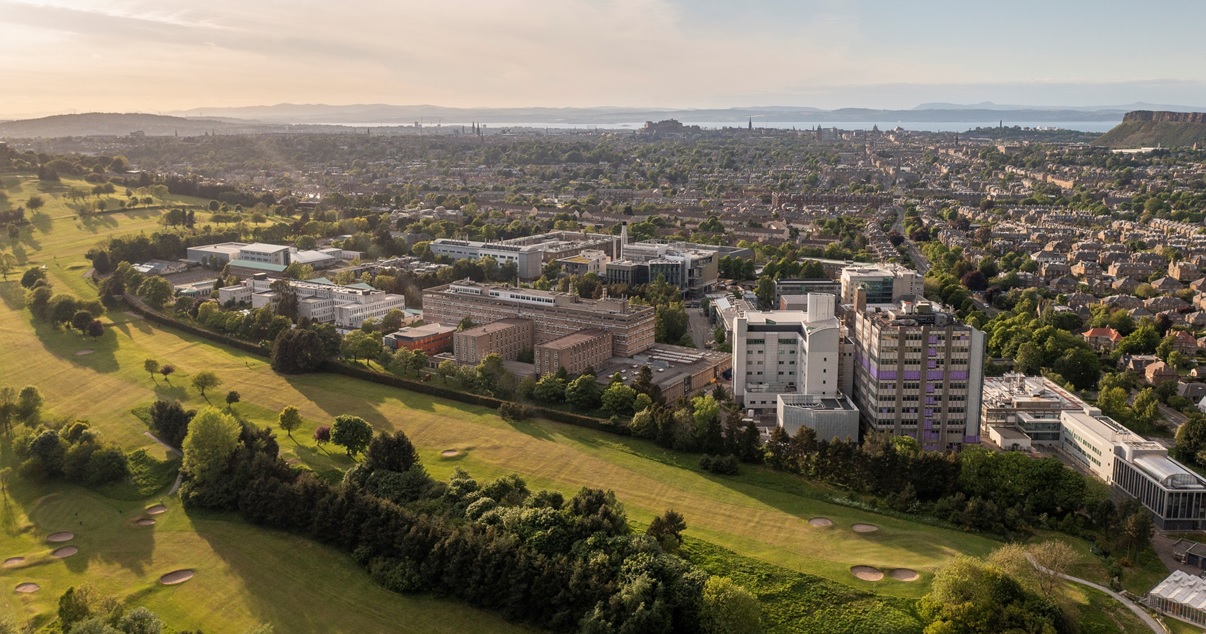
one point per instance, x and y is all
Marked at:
(42, 222)
(534, 429)
(95, 353)
(12, 294)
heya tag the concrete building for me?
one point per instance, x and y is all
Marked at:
(589, 261)
(884, 283)
(831, 417)
(575, 352)
(508, 338)
(553, 314)
(786, 352)
(430, 338)
(261, 257)
(528, 260)
(918, 372)
(693, 270)
(1024, 410)
(677, 371)
(319, 300)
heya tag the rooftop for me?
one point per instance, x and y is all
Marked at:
(574, 338)
(1184, 588)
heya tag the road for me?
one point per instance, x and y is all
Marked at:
(701, 330)
(1139, 612)
(919, 260)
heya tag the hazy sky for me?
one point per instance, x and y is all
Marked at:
(162, 55)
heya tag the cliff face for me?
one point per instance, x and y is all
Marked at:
(1164, 117)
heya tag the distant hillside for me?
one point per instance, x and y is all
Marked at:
(113, 124)
(1145, 128)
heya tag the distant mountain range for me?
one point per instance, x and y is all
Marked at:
(328, 118)
(362, 114)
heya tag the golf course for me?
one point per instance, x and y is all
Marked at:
(244, 575)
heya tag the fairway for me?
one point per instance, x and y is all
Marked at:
(759, 514)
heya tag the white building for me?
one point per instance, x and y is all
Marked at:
(528, 259)
(786, 352)
(319, 300)
(832, 417)
(218, 255)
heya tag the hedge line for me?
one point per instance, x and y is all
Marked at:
(336, 367)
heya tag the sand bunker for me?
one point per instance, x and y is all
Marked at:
(864, 528)
(867, 573)
(13, 562)
(156, 509)
(904, 574)
(83, 352)
(450, 453)
(27, 587)
(59, 537)
(146, 521)
(820, 522)
(64, 552)
(176, 576)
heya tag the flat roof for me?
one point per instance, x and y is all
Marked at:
(495, 326)
(259, 266)
(265, 247)
(418, 332)
(574, 338)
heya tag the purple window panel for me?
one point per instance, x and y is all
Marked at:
(960, 375)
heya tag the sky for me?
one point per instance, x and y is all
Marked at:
(161, 56)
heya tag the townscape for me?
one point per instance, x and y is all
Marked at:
(373, 368)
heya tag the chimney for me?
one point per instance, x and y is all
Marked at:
(623, 239)
(860, 300)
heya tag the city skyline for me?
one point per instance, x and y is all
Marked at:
(138, 56)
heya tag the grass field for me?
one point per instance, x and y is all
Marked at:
(761, 514)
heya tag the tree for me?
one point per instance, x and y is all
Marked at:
(35, 203)
(205, 380)
(232, 397)
(1080, 366)
(667, 529)
(155, 291)
(1056, 558)
(169, 422)
(298, 351)
(360, 345)
(765, 292)
(727, 608)
(584, 393)
(619, 399)
(392, 320)
(353, 433)
(8, 262)
(445, 369)
(418, 361)
(32, 276)
(151, 366)
(289, 419)
(322, 435)
(212, 436)
(167, 370)
(1146, 407)
(549, 389)
(392, 452)
(96, 329)
(61, 309)
(29, 402)
(80, 320)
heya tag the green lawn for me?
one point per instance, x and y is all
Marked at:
(244, 575)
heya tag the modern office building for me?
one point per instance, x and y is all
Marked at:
(528, 253)
(554, 315)
(917, 372)
(884, 283)
(508, 338)
(261, 257)
(1175, 495)
(694, 271)
(430, 338)
(804, 287)
(575, 352)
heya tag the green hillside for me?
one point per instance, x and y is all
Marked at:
(1136, 134)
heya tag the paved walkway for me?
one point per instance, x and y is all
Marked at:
(1139, 611)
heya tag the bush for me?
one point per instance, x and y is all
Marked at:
(513, 411)
(723, 465)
